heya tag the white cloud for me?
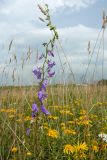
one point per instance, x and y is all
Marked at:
(74, 41)
(28, 8)
(16, 23)
(73, 4)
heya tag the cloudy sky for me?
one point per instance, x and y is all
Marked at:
(77, 22)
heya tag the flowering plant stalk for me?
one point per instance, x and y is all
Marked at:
(44, 73)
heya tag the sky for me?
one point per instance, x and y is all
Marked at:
(77, 22)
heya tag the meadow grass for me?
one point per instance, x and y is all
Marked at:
(77, 117)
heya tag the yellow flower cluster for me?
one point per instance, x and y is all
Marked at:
(84, 120)
(53, 133)
(8, 110)
(69, 132)
(52, 117)
(68, 149)
(80, 148)
(95, 148)
(77, 102)
(28, 118)
(70, 122)
(100, 104)
(45, 126)
(62, 126)
(65, 111)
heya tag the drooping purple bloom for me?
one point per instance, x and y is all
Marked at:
(34, 108)
(44, 85)
(37, 72)
(50, 53)
(28, 131)
(44, 110)
(41, 56)
(42, 95)
(51, 64)
(51, 74)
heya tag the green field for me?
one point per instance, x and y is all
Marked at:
(71, 132)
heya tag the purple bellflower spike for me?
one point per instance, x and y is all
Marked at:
(34, 108)
(51, 74)
(50, 64)
(50, 53)
(41, 96)
(37, 72)
(44, 85)
(44, 110)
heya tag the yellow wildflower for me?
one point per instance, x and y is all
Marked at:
(52, 117)
(53, 133)
(69, 132)
(3, 110)
(14, 149)
(83, 112)
(84, 120)
(62, 126)
(68, 149)
(19, 120)
(81, 147)
(82, 155)
(11, 116)
(28, 118)
(105, 146)
(45, 126)
(65, 111)
(28, 153)
(11, 110)
(77, 102)
(70, 122)
(95, 148)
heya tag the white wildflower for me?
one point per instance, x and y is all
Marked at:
(103, 136)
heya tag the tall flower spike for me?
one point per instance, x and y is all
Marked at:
(44, 73)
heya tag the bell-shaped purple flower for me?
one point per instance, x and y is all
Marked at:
(50, 53)
(50, 64)
(37, 72)
(51, 74)
(42, 95)
(44, 110)
(34, 108)
(41, 56)
(44, 85)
